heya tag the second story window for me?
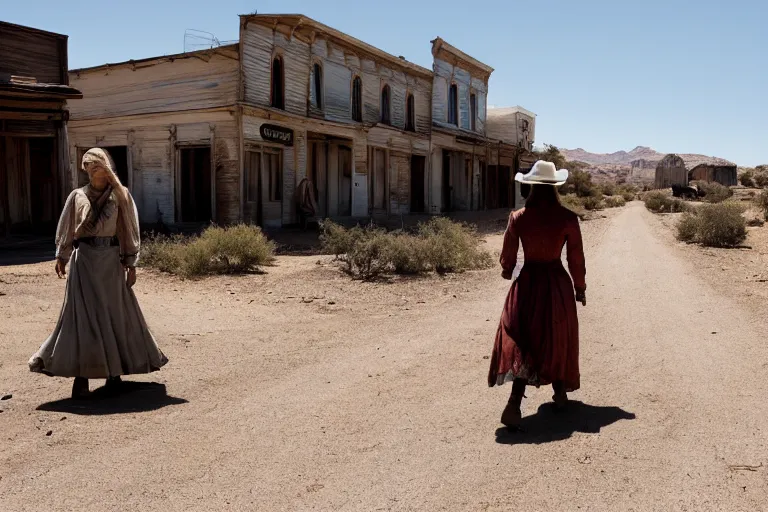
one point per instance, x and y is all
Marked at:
(357, 99)
(473, 112)
(453, 105)
(317, 85)
(385, 103)
(278, 83)
(410, 114)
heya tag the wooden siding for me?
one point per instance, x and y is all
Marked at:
(339, 68)
(466, 84)
(29, 52)
(260, 45)
(166, 86)
(151, 141)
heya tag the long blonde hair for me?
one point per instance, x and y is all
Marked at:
(102, 159)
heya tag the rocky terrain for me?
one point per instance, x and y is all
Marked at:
(638, 165)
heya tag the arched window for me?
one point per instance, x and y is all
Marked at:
(385, 103)
(278, 83)
(317, 85)
(357, 99)
(453, 105)
(410, 114)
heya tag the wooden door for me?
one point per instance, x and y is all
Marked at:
(345, 181)
(418, 188)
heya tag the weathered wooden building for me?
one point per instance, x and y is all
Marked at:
(514, 129)
(670, 171)
(358, 119)
(723, 174)
(171, 125)
(228, 134)
(34, 167)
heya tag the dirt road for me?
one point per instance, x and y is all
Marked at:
(301, 390)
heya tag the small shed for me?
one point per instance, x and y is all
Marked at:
(723, 174)
(670, 171)
(34, 162)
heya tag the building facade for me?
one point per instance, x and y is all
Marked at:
(228, 134)
(34, 166)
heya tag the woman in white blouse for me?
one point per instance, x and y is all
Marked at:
(101, 332)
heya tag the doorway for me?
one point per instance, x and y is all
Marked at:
(446, 183)
(418, 188)
(345, 181)
(44, 192)
(195, 178)
(378, 184)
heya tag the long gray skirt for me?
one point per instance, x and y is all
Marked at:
(101, 332)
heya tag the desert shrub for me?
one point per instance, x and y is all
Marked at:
(762, 202)
(747, 179)
(688, 227)
(761, 179)
(438, 245)
(592, 203)
(614, 202)
(659, 202)
(574, 203)
(235, 249)
(608, 188)
(452, 247)
(714, 192)
(721, 225)
(628, 192)
(580, 183)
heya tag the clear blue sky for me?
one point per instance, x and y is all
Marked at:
(687, 76)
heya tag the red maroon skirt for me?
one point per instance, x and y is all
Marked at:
(538, 335)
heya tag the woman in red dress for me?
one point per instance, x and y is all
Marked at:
(537, 342)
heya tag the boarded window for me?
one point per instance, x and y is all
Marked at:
(453, 105)
(410, 114)
(317, 84)
(357, 99)
(473, 112)
(278, 83)
(385, 103)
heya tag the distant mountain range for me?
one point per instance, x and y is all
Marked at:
(636, 165)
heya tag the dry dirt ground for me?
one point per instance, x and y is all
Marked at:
(302, 390)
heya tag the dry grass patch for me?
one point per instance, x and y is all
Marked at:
(439, 245)
(714, 225)
(237, 249)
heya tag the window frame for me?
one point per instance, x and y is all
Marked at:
(357, 100)
(317, 84)
(272, 86)
(410, 112)
(386, 91)
(453, 104)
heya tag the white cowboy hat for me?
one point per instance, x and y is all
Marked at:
(543, 173)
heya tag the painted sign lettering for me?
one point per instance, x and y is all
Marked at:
(272, 133)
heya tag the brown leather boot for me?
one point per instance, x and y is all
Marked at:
(80, 388)
(560, 397)
(512, 415)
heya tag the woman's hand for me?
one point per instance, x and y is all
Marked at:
(506, 274)
(61, 268)
(581, 296)
(130, 278)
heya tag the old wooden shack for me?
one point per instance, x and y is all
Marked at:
(670, 171)
(723, 174)
(228, 134)
(34, 167)
(170, 123)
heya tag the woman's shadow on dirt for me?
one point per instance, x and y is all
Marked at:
(132, 397)
(549, 425)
